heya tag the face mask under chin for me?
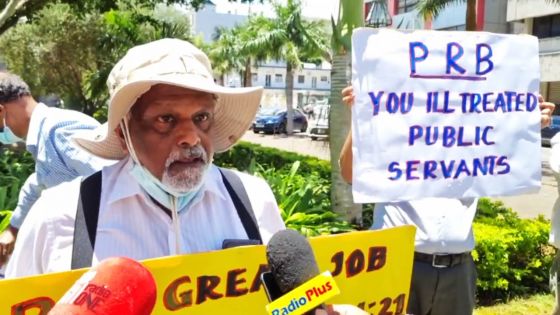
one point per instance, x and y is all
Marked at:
(163, 193)
(7, 136)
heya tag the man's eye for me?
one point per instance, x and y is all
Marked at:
(165, 119)
(202, 117)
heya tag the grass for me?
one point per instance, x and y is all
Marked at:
(536, 304)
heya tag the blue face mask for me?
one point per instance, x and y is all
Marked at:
(161, 192)
(7, 136)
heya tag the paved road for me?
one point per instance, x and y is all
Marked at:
(298, 142)
(527, 206)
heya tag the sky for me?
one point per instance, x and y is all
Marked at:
(319, 9)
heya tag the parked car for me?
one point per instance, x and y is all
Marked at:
(319, 127)
(548, 132)
(273, 120)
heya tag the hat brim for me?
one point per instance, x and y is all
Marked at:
(235, 110)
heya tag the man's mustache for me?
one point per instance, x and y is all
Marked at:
(194, 152)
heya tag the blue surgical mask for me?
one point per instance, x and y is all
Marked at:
(163, 193)
(7, 136)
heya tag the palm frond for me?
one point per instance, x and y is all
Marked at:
(432, 8)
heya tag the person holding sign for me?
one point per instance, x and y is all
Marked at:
(444, 274)
(166, 118)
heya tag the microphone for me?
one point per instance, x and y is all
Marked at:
(294, 283)
(116, 286)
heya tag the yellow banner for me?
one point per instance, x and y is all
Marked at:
(371, 268)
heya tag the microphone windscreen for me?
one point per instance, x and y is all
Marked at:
(115, 286)
(291, 260)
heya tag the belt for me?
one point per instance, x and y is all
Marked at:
(442, 260)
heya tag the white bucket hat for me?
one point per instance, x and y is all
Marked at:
(174, 62)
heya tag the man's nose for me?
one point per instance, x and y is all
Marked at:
(188, 135)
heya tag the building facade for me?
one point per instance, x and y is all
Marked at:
(491, 16)
(541, 19)
(312, 82)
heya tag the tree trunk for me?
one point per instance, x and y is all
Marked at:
(471, 15)
(248, 76)
(289, 99)
(339, 125)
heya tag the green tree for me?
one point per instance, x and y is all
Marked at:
(70, 54)
(56, 53)
(226, 53)
(350, 16)
(291, 38)
(13, 10)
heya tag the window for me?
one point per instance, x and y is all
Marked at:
(267, 80)
(324, 78)
(406, 5)
(547, 26)
(314, 82)
(278, 78)
(453, 28)
(301, 79)
(255, 77)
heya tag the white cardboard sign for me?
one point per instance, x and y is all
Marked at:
(444, 114)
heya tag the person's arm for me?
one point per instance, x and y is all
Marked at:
(345, 159)
(28, 195)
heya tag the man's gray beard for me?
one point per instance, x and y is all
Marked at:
(192, 177)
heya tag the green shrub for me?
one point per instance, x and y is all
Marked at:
(495, 213)
(5, 216)
(304, 200)
(242, 155)
(15, 167)
(512, 254)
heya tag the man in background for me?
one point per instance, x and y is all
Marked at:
(46, 132)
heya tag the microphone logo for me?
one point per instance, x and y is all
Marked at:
(305, 297)
(86, 292)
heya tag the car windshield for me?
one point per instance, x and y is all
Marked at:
(269, 111)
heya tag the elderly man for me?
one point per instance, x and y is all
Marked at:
(167, 117)
(46, 132)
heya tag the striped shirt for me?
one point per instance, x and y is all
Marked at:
(132, 225)
(57, 158)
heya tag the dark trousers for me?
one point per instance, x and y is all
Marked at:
(442, 291)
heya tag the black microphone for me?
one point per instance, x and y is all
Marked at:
(292, 264)
(291, 260)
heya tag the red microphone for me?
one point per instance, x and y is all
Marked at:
(116, 286)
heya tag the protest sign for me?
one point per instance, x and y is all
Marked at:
(444, 114)
(371, 268)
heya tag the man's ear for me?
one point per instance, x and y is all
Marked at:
(120, 134)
